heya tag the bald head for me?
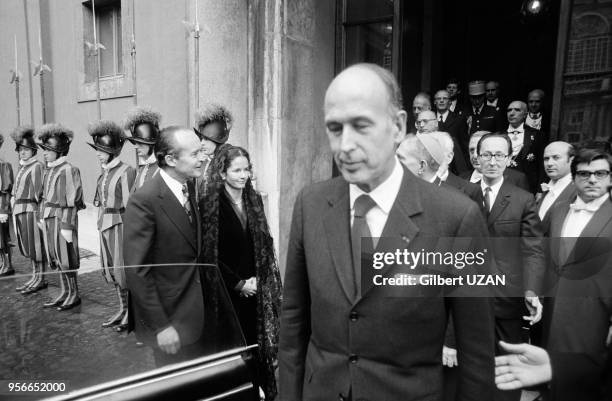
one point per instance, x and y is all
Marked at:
(442, 101)
(517, 113)
(558, 158)
(426, 122)
(534, 100)
(420, 103)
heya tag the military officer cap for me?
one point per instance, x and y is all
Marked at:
(476, 88)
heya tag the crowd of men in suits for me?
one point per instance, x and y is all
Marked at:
(484, 171)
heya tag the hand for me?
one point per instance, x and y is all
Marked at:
(168, 340)
(449, 357)
(609, 339)
(249, 288)
(525, 366)
(12, 202)
(3, 218)
(41, 224)
(535, 309)
(67, 234)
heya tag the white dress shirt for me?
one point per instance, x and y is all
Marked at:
(577, 220)
(534, 120)
(443, 115)
(555, 189)
(384, 195)
(494, 191)
(493, 103)
(175, 186)
(517, 136)
(476, 176)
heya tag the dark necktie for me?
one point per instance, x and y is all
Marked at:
(487, 199)
(187, 204)
(361, 230)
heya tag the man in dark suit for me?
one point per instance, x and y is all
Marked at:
(339, 340)
(162, 226)
(536, 118)
(518, 254)
(492, 94)
(455, 125)
(478, 115)
(474, 176)
(455, 104)
(527, 145)
(447, 176)
(558, 158)
(577, 361)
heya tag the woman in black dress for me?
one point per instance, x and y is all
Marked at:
(236, 237)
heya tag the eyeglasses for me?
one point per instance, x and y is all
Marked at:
(599, 174)
(423, 122)
(488, 156)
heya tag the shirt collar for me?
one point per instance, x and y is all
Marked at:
(384, 195)
(112, 164)
(558, 186)
(175, 186)
(593, 205)
(149, 160)
(494, 188)
(493, 103)
(444, 115)
(443, 175)
(520, 128)
(31, 160)
(57, 162)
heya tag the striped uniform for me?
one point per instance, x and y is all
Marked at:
(146, 171)
(112, 193)
(28, 192)
(62, 199)
(6, 185)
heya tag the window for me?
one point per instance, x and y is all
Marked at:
(108, 23)
(114, 31)
(590, 47)
(109, 35)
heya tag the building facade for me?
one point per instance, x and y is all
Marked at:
(270, 61)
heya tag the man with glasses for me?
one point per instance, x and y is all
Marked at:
(512, 217)
(426, 122)
(577, 360)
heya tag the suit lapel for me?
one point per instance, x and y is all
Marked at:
(592, 230)
(337, 226)
(175, 212)
(501, 202)
(196, 214)
(399, 223)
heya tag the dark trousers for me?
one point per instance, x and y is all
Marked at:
(510, 331)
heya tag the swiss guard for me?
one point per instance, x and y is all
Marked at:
(143, 124)
(6, 185)
(62, 199)
(213, 124)
(27, 193)
(112, 192)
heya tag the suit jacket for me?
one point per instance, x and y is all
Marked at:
(514, 218)
(568, 193)
(514, 177)
(487, 120)
(457, 128)
(530, 158)
(379, 348)
(582, 308)
(157, 230)
(456, 182)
